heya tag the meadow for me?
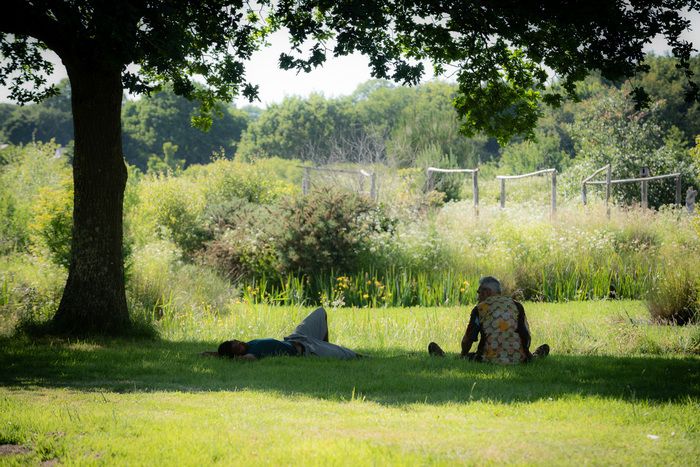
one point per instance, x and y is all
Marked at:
(211, 236)
(615, 390)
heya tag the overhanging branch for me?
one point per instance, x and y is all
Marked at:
(22, 19)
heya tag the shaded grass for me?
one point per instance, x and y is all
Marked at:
(406, 378)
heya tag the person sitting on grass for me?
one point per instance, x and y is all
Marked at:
(310, 338)
(501, 322)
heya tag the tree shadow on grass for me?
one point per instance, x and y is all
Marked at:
(148, 366)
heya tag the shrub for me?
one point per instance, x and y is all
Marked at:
(285, 170)
(243, 239)
(226, 180)
(24, 172)
(51, 227)
(328, 230)
(169, 208)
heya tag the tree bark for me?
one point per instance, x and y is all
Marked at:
(94, 299)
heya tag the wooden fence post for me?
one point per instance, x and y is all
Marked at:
(503, 193)
(645, 194)
(475, 185)
(554, 192)
(373, 186)
(584, 192)
(678, 190)
(608, 187)
(306, 181)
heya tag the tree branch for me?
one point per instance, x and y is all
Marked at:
(23, 19)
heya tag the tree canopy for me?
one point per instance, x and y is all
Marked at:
(499, 51)
(149, 123)
(297, 127)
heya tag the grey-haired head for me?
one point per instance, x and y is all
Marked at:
(491, 283)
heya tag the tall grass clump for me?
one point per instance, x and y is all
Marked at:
(675, 295)
(164, 288)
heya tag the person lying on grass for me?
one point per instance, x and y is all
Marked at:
(310, 338)
(501, 321)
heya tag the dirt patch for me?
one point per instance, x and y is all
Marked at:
(13, 449)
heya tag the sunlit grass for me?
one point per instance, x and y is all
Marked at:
(264, 427)
(604, 327)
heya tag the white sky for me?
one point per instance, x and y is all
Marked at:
(338, 77)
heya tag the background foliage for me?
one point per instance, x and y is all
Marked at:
(238, 228)
(403, 127)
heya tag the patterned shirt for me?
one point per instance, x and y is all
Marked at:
(505, 337)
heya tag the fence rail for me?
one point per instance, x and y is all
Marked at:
(639, 179)
(512, 177)
(503, 179)
(643, 181)
(475, 181)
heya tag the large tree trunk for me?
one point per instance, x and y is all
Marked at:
(94, 299)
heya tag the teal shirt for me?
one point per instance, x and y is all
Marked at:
(270, 348)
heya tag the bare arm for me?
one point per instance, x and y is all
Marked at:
(471, 334)
(466, 343)
(523, 330)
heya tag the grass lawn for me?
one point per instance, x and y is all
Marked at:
(616, 390)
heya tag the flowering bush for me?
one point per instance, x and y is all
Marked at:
(328, 230)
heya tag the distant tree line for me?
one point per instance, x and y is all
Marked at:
(381, 122)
